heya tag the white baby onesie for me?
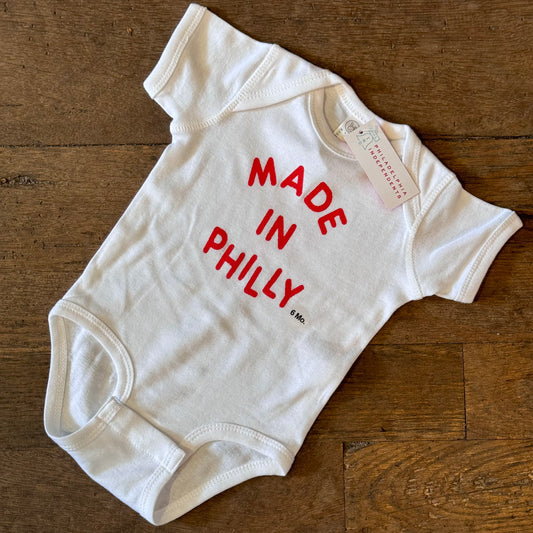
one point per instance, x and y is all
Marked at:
(246, 276)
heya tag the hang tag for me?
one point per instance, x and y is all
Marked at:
(381, 163)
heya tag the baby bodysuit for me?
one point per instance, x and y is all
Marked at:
(248, 273)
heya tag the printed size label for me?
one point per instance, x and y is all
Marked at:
(381, 163)
(348, 126)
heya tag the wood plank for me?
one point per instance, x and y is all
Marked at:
(477, 160)
(499, 390)
(57, 205)
(398, 392)
(501, 311)
(421, 62)
(73, 71)
(24, 378)
(79, 135)
(497, 170)
(309, 498)
(439, 486)
(66, 197)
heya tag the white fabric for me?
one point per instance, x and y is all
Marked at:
(246, 276)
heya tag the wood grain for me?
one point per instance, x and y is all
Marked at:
(309, 498)
(499, 390)
(439, 486)
(501, 311)
(436, 414)
(79, 67)
(55, 216)
(399, 392)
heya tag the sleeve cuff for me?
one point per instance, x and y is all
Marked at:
(162, 72)
(486, 256)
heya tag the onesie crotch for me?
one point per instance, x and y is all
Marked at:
(219, 456)
(127, 455)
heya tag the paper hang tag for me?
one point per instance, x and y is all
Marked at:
(380, 162)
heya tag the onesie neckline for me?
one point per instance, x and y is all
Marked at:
(355, 109)
(320, 122)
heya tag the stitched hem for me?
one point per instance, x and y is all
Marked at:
(166, 65)
(239, 434)
(265, 64)
(218, 484)
(55, 393)
(276, 460)
(486, 256)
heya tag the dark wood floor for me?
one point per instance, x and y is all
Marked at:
(432, 429)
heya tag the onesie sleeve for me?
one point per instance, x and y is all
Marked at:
(455, 236)
(203, 68)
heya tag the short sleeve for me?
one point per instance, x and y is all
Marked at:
(203, 67)
(456, 236)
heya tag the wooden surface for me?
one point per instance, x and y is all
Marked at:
(432, 429)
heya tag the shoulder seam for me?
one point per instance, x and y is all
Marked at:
(416, 285)
(244, 92)
(289, 84)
